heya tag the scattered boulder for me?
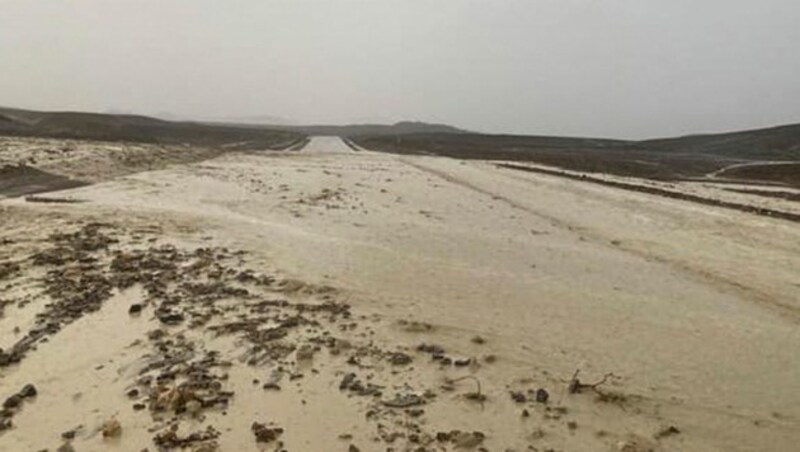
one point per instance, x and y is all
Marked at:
(478, 340)
(170, 318)
(542, 396)
(430, 348)
(667, 431)
(13, 401)
(399, 359)
(404, 401)
(196, 440)
(112, 428)
(264, 433)
(347, 381)
(7, 269)
(28, 391)
(468, 440)
(461, 440)
(66, 447)
(351, 383)
(305, 352)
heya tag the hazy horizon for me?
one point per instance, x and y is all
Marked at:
(616, 68)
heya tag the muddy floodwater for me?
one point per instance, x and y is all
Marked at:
(336, 299)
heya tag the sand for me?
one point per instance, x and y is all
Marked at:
(511, 281)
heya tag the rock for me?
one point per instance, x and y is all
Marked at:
(518, 397)
(5, 424)
(347, 381)
(112, 428)
(135, 308)
(273, 380)
(542, 395)
(461, 362)
(156, 334)
(7, 269)
(305, 352)
(404, 401)
(69, 434)
(467, 440)
(66, 447)
(353, 448)
(357, 387)
(399, 359)
(443, 360)
(478, 340)
(170, 318)
(204, 447)
(169, 440)
(265, 434)
(537, 434)
(28, 391)
(430, 348)
(574, 385)
(667, 431)
(475, 396)
(13, 401)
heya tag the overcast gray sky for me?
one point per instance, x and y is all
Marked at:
(622, 68)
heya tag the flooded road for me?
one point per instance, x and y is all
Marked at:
(521, 278)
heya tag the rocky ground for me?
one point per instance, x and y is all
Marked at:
(329, 300)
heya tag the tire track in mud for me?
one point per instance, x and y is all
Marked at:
(724, 284)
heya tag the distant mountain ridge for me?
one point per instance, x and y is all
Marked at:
(126, 126)
(137, 128)
(774, 143)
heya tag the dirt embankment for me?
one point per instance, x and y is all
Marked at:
(37, 165)
(685, 158)
(667, 193)
(19, 180)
